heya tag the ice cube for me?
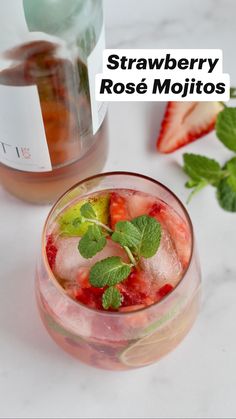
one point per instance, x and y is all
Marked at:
(164, 266)
(69, 260)
(177, 228)
(139, 204)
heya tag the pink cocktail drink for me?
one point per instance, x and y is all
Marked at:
(142, 308)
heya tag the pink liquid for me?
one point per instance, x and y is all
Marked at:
(140, 331)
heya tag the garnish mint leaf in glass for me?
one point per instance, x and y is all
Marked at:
(109, 271)
(92, 242)
(111, 298)
(127, 235)
(150, 235)
(226, 128)
(87, 211)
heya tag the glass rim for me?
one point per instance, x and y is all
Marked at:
(94, 310)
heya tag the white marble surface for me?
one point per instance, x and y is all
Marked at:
(198, 380)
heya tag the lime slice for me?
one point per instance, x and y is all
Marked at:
(69, 224)
(152, 347)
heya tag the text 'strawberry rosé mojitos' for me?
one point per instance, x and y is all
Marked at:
(118, 283)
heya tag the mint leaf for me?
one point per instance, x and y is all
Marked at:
(87, 211)
(150, 235)
(92, 242)
(126, 234)
(111, 298)
(231, 180)
(230, 166)
(109, 271)
(226, 128)
(226, 193)
(142, 235)
(201, 167)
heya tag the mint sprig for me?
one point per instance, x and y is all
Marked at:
(139, 237)
(150, 231)
(204, 171)
(142, 235)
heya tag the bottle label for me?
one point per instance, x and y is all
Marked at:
(94, 63)
(23, 143)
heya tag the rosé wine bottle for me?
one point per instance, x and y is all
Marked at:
(52, 131)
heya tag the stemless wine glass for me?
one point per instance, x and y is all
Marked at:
(118, 340)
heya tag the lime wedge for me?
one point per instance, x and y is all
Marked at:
(69, 221)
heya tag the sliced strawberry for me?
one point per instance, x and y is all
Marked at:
(177, 228)
(118, 209)
(51, 251)
(166, 289)
(185, 122)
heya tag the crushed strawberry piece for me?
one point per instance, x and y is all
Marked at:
(84, 292)
(91, 297)
(118, 209)
(156, 209)
(135, 289)
(166, 289)
(51, 251)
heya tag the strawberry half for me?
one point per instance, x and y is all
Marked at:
(185, 122)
